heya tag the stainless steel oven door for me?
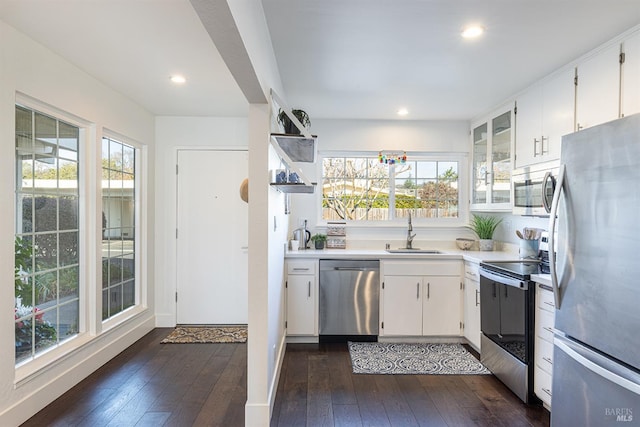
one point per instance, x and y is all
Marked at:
(504, 312)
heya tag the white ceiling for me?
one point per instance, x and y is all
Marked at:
(337, 58)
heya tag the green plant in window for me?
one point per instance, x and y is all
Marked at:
(30, 325)
(23, 255)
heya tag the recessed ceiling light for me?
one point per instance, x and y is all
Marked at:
(178, 79)
(472, 31)
(403, 112)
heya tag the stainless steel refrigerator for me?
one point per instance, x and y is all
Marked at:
(596, 277)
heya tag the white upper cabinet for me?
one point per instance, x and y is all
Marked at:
(631, 75)
(558, 106)
(492, 141)
(544, 114)
(528, 127)
(598, 88)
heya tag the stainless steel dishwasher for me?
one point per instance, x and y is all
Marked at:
(349, 295)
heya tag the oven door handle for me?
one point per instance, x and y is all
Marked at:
(509, 281)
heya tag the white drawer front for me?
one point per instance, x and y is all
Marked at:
(422, 268)
(542, 385)
(544, 325)
(545, 299)
(544, 355)
(301, 266)
(471, 271)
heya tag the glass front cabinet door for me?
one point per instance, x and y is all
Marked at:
(492, 142)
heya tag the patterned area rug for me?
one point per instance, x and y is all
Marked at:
(206, 334)
(400, 358)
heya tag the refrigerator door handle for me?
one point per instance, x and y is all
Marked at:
(594, 367)
(552, 227)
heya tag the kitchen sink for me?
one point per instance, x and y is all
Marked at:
(413, 251)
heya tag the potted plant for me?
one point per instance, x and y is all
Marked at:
(318, 240)
(288, 125)
(484, 227)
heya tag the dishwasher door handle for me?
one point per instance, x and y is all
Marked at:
(353, 269)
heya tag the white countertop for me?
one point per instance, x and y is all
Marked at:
(472, 256)
(543, 279)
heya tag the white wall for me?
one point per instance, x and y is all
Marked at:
(376, 135)
(267, 229)
(29, 68)
(173, 133)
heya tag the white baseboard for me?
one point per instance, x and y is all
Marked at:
(256, 415)
(420, 339)
(166, 320)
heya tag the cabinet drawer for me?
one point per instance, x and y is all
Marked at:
(542, 385)
(544, 325)
(471, 271)
(422, 268)
(544, 355)
(301, 267)
(545, 299)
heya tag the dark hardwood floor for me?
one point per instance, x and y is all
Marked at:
(317, 388)
(153, 384)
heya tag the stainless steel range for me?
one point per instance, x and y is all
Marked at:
(507, 304)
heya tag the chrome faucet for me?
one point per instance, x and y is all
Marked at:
(409, 235)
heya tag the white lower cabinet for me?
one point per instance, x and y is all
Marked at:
(402, 307)
(543, 370)
(441, 313)
(302, 301)
(472, 304)
(421, 298)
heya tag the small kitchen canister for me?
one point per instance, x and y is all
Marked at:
(529, 248)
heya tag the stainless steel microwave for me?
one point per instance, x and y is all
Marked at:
(532, 191)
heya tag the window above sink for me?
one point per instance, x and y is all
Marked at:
(358, 188)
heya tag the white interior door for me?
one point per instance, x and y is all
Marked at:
(212, 238)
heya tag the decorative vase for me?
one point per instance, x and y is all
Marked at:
(319, 244)
(486, 244)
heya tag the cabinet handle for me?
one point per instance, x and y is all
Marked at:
(309, 288)
(548, 329)
(535, 147)
(428, 289)
(546, 390)
(542, 150)
(579, 126)
(300, 269)
(548, 360)
(418, 290)
(550, 304)
(477, 302)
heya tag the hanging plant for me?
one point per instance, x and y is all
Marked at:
(288, 125)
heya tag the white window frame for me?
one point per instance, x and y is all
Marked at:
(140, 248)
(463, 190)
(90, 324)
(45, 360)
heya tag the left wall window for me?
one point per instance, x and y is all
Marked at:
(47, 232)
